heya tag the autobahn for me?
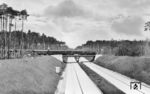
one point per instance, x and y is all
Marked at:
(74, 77)
(75, 81)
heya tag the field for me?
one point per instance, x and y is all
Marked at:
(34, 75)
(134, 67)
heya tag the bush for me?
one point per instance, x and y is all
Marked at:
(127, 49)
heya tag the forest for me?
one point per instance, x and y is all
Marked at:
(118, 47)
(30, 40)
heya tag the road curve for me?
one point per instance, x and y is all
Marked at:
(118, 80)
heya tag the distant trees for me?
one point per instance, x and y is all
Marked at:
(113, 47)
(33, 40)
(129, 49)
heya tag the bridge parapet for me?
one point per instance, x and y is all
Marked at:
(63, 52)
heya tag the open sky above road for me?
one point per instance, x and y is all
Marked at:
(76, 21)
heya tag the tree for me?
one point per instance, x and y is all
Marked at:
(3, 9)
(23, 16)
(147, 28)
(11, 14)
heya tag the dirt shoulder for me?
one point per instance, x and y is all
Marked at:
(134, 67)
(29, 75)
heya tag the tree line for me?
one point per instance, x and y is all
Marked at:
(31, 40)
(118, 48)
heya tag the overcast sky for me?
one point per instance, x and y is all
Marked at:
(76, 21)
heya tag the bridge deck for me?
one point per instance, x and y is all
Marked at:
(63, 52)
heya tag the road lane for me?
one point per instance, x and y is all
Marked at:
(76, 81)
(87, 85)
(72, 84)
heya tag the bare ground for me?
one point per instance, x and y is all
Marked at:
(35, 75)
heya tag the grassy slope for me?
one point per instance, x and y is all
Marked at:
(134, 67)
(29, 75)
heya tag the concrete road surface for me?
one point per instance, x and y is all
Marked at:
(75, 81)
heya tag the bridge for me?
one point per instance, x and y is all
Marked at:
(66, 53)
(63, 52)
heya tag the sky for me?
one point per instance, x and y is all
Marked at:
(76, 21)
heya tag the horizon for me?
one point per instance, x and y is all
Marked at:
(76, 21)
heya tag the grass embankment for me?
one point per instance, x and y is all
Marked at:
(134, 67)
(29, 75)
(102, 84)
